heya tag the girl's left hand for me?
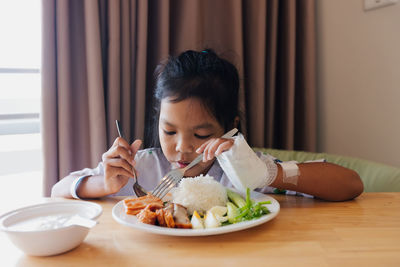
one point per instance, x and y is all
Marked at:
(214, 147)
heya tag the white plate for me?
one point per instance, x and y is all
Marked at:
(120, 216)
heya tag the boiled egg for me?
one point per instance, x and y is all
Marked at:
(219, 212)
(211, 221)
(197, 221)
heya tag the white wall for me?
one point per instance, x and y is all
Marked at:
(359, 80)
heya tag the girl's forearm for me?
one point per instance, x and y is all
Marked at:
(90, 187)
(324, 180)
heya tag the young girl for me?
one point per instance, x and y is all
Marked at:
(197, 102)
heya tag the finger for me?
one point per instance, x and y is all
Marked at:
(111, 172)
(119, 163)
(208, 150)
(115, 179)
(119, 172)
(119, 152)
(203, 147)
(113, 151)
(135, 146)
(119, 141)
(107, 154)
(224, 147)
(212, 147)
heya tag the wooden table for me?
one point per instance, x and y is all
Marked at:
(306, 232)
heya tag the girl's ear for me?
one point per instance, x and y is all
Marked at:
(236, 122)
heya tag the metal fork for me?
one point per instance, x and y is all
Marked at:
(173, 177)
(137, 188)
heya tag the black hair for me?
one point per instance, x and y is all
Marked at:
(203, 75)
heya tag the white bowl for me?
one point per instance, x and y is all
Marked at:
(38, 230)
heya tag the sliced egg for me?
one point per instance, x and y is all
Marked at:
(219, 212)
(197, 221)
(211, 221)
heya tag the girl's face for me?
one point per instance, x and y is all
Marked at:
(183, 127)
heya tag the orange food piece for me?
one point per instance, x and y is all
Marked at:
(146, 215)
(150, 209)
(134, 205)
(160, 217)
(169, 216)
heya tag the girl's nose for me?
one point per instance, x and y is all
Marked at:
(184, 146)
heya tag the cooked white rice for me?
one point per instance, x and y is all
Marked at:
(199, 193)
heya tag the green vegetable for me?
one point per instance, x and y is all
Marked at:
(247, 209)
(233, 212)
(236, 198)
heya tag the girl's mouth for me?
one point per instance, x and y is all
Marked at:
(182, 164)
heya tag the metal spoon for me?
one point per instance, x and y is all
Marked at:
(137, 188)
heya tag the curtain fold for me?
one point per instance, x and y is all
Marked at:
(99, 58)
(280, 75)
(90, 78)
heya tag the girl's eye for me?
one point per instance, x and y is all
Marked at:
(202, 136)
(169, 132)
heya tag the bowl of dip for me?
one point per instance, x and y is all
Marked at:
(45, 229)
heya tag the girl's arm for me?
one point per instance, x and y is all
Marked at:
(323, 180)
(118, 163)
(90, 187)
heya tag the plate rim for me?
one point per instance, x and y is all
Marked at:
(201, 232)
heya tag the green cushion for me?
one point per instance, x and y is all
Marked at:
(377, 177)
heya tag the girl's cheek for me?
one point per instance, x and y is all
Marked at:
(163, 139)
(168, 146)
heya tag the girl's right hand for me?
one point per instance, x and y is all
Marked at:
(119, 164)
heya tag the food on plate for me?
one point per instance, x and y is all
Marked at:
(245, 210)
(181, 217)
(151, 210)
(165, 217)
(233, 212)
(193, 198)
(211, 221)
(237, 210)
(197, 221)
(200, 193)
(173, 216)
(148, 214)
(218, 212)
(135, 205)
(214, 217)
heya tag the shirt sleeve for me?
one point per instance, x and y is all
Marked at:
(99, 170)
(151, 165)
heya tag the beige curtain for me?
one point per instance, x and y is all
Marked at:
(93, 72)
(99, 57)
(280, 75)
